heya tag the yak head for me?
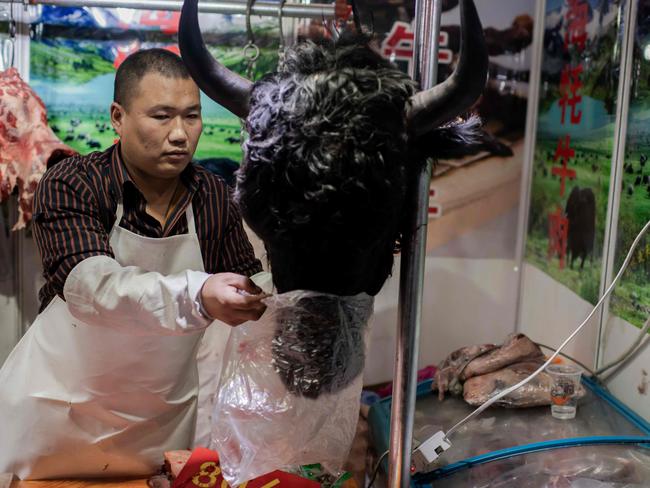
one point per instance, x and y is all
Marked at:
(334, 136)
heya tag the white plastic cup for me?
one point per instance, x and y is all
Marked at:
(565, 385)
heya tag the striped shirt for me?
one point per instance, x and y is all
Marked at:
(74, 211)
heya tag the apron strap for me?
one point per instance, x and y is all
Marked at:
(119, 213)
(189, 215)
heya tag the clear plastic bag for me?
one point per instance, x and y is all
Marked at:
(290, 388)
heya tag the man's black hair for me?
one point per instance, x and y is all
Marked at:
(140, 63)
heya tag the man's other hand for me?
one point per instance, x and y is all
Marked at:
(232, 298)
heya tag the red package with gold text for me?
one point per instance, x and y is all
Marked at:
(202, 471)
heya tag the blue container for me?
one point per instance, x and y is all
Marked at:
(605, 443)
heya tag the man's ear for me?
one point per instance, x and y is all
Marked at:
(117, 117)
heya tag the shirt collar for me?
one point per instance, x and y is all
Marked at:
(119, 176)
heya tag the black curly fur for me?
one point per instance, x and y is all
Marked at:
(324, 177)
(314, 354)
(324, 184)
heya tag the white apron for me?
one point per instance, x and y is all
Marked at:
(78, 400)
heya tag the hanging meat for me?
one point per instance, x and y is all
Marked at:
(27, 144)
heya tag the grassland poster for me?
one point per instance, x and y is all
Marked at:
(632, 297)
(574, 142)
(75, 52)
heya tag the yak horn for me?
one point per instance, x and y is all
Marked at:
(223, 86)
(432, 108)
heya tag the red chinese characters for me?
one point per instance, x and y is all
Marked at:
(575, 36)
(570, 85)
(558, 232)
(563, 152)
(576, 20)
(203, 470)
(398, 44)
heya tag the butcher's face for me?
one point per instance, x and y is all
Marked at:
(161, 125)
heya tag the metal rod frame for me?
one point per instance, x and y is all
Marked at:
(266, 9)
(616, 172)
(424, 70)
(530, 142)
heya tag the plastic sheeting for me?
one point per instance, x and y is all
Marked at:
(291, 385)
(614, 466)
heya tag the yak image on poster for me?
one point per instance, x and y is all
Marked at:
(632, 296)
(575, 136)
(473, 202)
(75, 52)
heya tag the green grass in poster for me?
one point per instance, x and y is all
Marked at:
(86, 128)
(631, 299)
(91, 131)
(592, 166)
(632, 296)
(60, 63)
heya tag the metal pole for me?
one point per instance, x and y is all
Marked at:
(424, 70)
(630, 12)
(530, 138)
(23, 277)
(266, 9)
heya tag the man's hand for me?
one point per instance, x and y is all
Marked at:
(232, 298)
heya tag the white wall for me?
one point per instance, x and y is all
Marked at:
(18, 310)
(549, 312)
(466, 301)
(9, 326)
(9, 330)
(631, 382)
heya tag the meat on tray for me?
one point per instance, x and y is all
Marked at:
(480, 372)
(516, 348)
(448, 375)
(477, 360)
(27, 144)
(536, 392)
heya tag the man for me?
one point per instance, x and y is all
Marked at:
(106, 378)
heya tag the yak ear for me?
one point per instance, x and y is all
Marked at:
(434, 107)
(225, 87)
(463, 137)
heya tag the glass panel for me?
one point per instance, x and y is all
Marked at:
(501, 428)
(575, 136)
(473, 204)
(575, 467)
(631, 301)
(594, 417)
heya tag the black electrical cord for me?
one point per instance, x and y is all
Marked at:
(376, 470)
